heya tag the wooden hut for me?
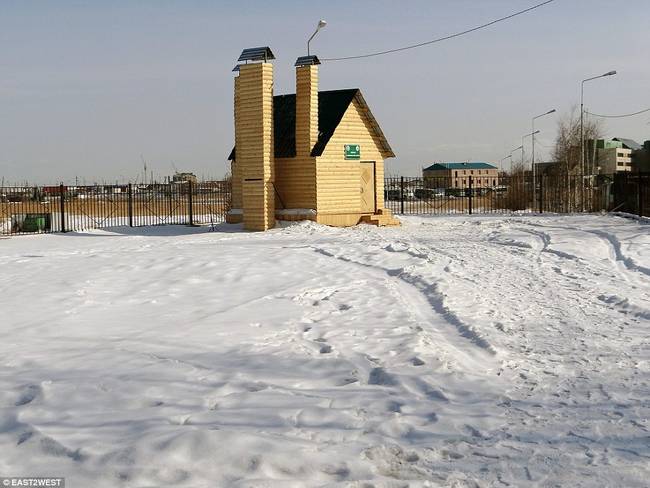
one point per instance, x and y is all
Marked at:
(309, 155)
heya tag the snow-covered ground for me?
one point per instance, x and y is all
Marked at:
(453, 351)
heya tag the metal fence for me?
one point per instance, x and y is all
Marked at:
(625, 192)
(631, 193)
(43, 209)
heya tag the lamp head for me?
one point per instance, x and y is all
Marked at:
(550, 111)
(610, 73)
(321, 23)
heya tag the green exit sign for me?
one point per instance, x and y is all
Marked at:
(352, 151)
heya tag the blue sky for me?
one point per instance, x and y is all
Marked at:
(87, 87)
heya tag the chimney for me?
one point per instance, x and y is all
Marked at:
(236, 191)
(306, 104)
(254, 138)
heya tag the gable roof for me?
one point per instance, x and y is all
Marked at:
(332, 105)
(629, 143)
(474, 165)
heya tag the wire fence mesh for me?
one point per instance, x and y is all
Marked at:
(61, 208)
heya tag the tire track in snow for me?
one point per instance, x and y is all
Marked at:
(627, 270)
(578, 378)
(618, 253)
(430, 292)
(612, 242)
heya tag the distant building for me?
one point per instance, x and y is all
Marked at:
(612, 156)
(183, 178)
(549, 168)
(628, 143)
(456, 175)
(640, 153)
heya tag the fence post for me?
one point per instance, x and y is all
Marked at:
(582, 193)
(639, 190)
(470, 195)
(130, 205)
(169, 199)
(189, 202)
(62, 207)
(541, 193)
(401, 194)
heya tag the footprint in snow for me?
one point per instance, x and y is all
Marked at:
(379, 376)
(395, 407)
(417, 362)
(474, 432)
(28, 395)
(348, 380)
(254, 387)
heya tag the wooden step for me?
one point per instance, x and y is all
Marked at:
(380, 220)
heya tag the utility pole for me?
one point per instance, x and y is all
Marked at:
(533, 149)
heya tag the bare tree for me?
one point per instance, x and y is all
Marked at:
(567, 141)
(566, 153)
(517, 197)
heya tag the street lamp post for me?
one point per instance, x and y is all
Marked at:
(502, 160)
(533, 149)
(522, 142)
(321, 24)
(517, 149)
(582, 113)
(532, 134)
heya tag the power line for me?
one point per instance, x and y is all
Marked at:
(440, 39)
(619, 116)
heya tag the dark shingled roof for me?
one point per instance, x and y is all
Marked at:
(331, 108)
(474, 165)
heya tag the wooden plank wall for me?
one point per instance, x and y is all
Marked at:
(235, 169)
(254, 139)
(295, 180)
(338, 180)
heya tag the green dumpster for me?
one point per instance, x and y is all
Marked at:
(36, 222)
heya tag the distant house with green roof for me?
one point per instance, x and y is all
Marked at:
(457, 175)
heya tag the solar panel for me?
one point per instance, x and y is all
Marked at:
(307, 60)
(256, 54)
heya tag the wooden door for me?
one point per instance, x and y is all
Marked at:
(368, 199)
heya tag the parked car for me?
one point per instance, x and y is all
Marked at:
(455, 192)
(392, 194)
(396, 194)
(429, 193)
